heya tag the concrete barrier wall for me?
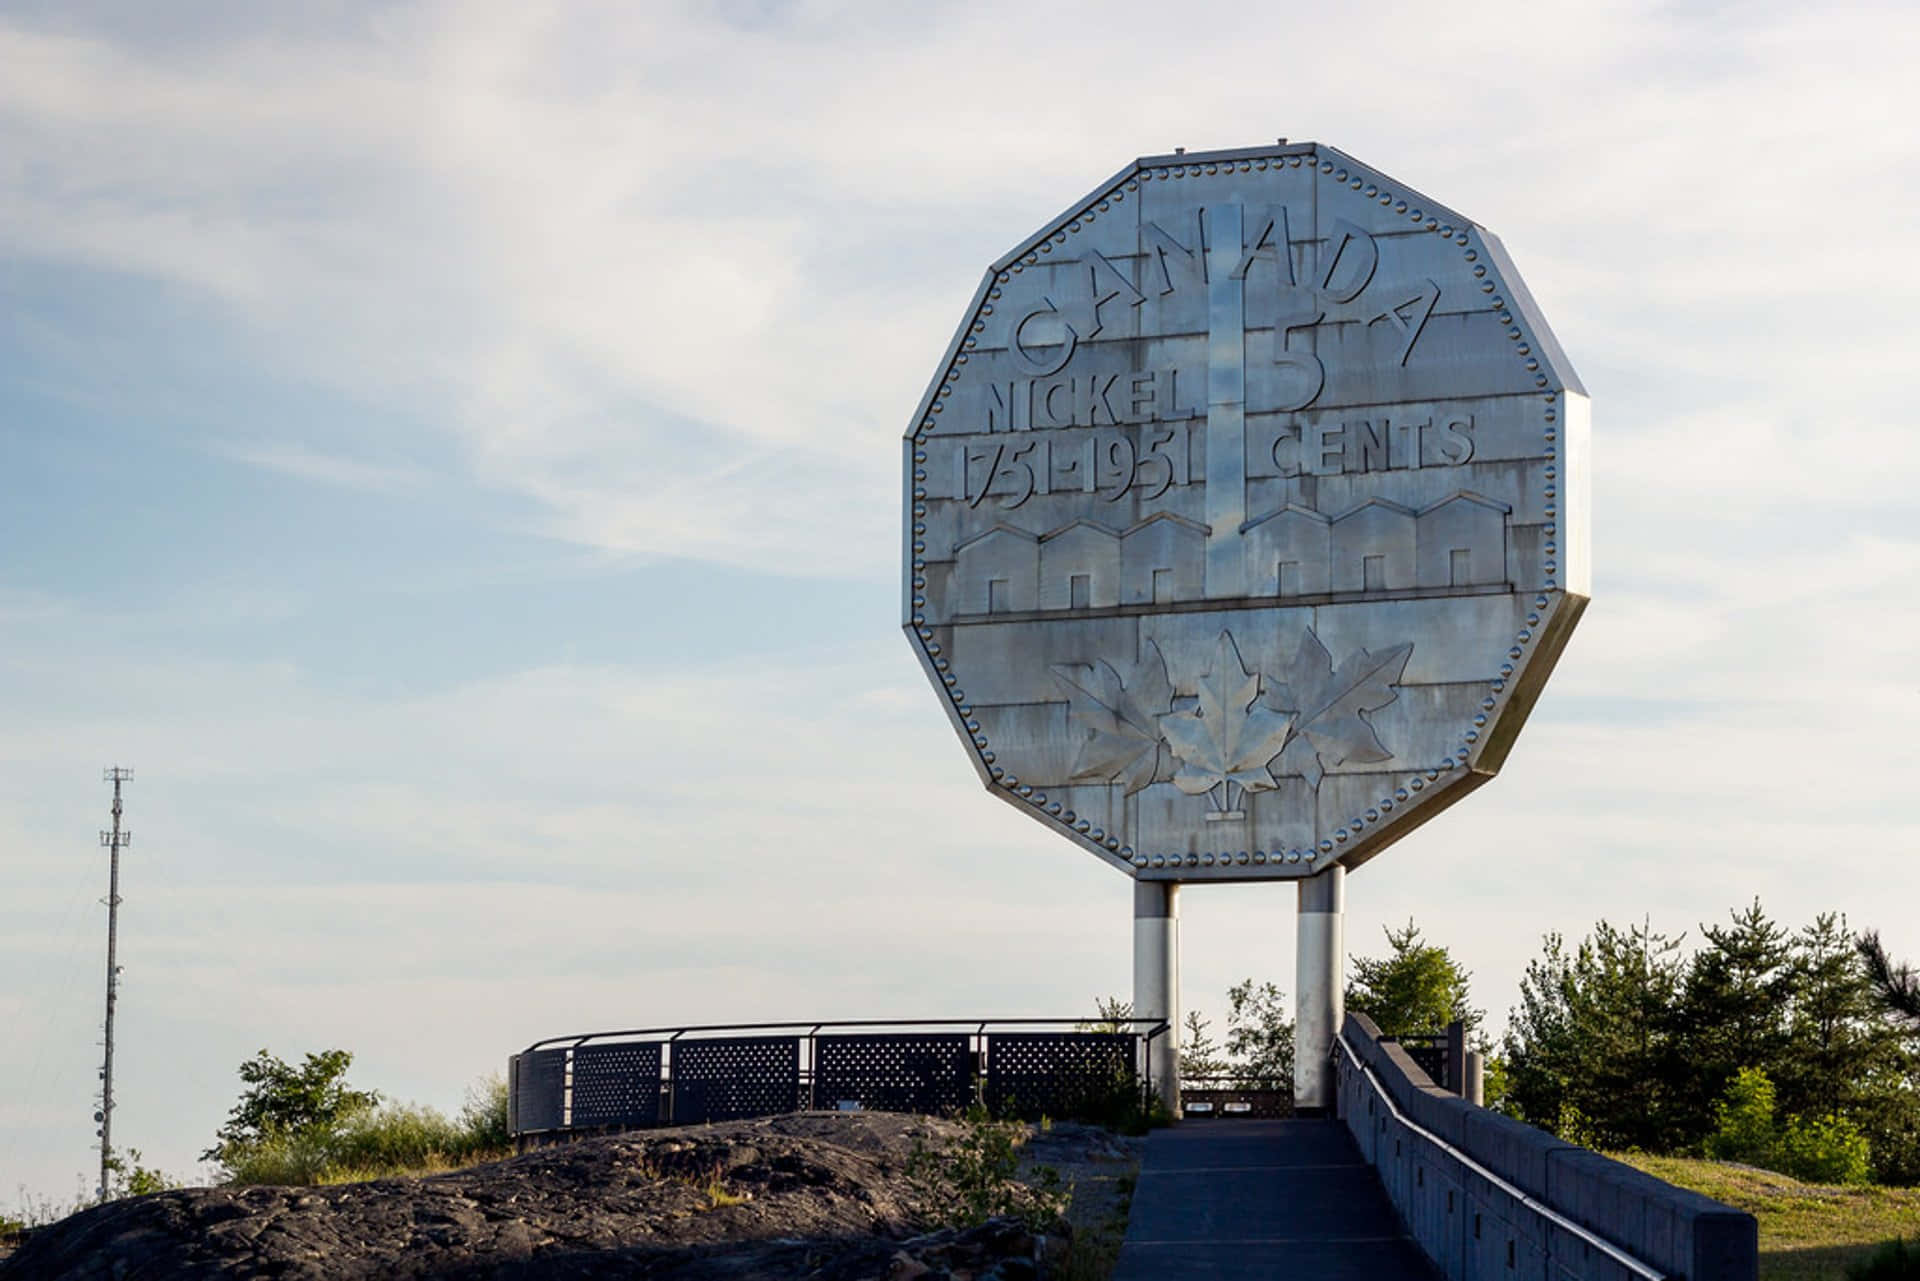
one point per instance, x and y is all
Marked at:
(1475, 1229)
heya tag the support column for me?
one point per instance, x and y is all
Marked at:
(1319, 983)
(1156, 980)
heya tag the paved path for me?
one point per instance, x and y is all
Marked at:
(1226, 1200)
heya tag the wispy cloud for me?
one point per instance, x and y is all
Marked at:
(328, 468)
(548, 221)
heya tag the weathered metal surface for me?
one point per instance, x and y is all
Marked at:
(1246, 515)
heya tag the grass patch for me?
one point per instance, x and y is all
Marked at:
(1096, 1246)
(1808, 1231)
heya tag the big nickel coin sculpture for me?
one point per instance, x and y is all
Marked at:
(1246, 516)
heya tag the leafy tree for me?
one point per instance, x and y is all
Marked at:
(283, 1101)
(1594, 1037)
(1260, 1035)
(1415, 990)
(1199, 1052)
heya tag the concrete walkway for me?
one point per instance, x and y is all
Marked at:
(1228, 1200)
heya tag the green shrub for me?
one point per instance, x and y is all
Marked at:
(298, 1126)
(1572, 1125)
(394, 1138)
(976, 1178)
(1828, 1149)
(1743, 1121)
(127, 1177)
(281, 1158)
(483, 1119)
(1897, 1260)
(1823, 1149)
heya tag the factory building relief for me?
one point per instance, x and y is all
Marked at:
(1378, 546)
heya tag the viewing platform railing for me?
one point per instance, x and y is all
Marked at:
(641, 1078)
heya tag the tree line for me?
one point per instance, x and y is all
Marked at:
(1798, 1050)
(1785, 1048)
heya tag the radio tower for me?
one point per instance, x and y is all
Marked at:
(115, 841)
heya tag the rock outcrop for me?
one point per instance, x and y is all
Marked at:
(811, 1195)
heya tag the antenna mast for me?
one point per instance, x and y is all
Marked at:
(115, 841)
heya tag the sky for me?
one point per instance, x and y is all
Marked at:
(450, 452)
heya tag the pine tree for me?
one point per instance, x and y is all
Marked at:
(1886, 1102)
(1733, 1010)
(1898, 986)
(1415, 990)
(1592, 1047)
(1839, 1040)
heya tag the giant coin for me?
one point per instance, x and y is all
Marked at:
(1246, 515)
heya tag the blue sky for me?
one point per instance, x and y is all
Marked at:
(450, 451)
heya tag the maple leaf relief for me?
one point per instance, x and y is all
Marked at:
(1241, 733)
(1330, 705)
(1122, 712)
(1230, 736)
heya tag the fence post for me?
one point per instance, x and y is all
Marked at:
(1474, 1090)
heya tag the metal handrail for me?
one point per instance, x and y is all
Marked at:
(1545, 1211)
(1157, 1027)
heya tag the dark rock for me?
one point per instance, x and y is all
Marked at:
(822, 1196)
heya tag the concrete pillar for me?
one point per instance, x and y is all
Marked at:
(1319, 985)
(1474, 1090)
(1156, 980)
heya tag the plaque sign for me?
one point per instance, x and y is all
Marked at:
(1246, 515)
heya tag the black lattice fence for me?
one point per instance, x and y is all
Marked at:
(616, 1084)
(1429, 1053)
(536, 1090)
(930, 1072)
(1060, 1074)
(732, 1078)
(686, 1076)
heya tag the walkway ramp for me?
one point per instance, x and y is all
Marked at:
(1233, 1200)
